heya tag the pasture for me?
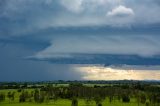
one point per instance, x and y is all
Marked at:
(83, 94)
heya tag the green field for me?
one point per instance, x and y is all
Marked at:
(68, 103)
(61, 102)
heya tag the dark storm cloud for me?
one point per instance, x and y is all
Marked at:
(75, 32)
(19, 17)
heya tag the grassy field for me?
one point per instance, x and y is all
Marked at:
(60, 102)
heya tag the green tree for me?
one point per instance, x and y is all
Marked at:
(143, 98)
(39, 96)
(2, 97)
(98, 100)
(74, 101)
(22, 97)
(126, 98)
(11, 96)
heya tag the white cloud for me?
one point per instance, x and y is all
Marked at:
(121, 11)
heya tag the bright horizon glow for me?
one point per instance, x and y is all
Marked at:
(108, 73)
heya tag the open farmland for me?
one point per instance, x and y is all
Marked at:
(81, 94)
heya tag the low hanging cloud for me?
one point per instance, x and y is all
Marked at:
(121, 11)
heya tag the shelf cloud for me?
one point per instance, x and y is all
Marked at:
(145, 46)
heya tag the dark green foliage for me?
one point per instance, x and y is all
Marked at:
(100, 104)
(11, 96)
(19, 90)
(75, 91)
(25, 96)
(75, 84)
(36, 95)
(88, 100)
(98, 99)
(143, 98)
(147, 103)
(22, 97)
(39, 96)
(110, 99)
(74, 101)
(126, 98)
(2, 97)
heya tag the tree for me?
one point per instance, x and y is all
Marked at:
(137, 96)
(98, 100)
(125, 98)
(74, 101)
(22, 97)
(88, 100)
(143, 98)
(39, 96)
(100, 104)
(42, 97)
(2, 97)
(36, 95)
(11, 95)
(147, 103)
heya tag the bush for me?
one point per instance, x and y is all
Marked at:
(126, 99)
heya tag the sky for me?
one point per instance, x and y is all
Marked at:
(79, 40)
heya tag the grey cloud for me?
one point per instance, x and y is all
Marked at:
(136, 67)
(144, 46)
(43, 30)
(19, 17)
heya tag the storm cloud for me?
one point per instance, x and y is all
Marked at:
(36, 35)
(18, 17)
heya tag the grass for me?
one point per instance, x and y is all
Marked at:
(63, 102)
(60, 102)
